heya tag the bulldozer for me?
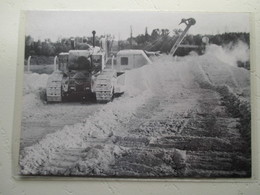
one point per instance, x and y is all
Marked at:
(82, 73)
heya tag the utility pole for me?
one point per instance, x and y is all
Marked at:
(146, 34)
(119, 47)
(131, 36)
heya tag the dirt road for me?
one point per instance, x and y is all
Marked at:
(200, 140)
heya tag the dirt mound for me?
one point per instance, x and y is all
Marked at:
(33, 82)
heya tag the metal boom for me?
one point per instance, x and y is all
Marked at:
(189, 22)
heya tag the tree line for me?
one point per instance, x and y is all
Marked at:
(162, 40)
(49, 48)
(159, 40)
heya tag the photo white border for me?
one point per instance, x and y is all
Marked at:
(18, 111)
(10, 14)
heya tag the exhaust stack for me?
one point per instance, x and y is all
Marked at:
(94, 33)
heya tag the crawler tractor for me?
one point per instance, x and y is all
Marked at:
(81, 73)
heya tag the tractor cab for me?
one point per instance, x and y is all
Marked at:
(81, 60)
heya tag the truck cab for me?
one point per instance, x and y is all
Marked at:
(131, 59)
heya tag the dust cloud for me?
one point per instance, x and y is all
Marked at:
(230, 53)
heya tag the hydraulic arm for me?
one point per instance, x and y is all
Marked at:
(189, 22)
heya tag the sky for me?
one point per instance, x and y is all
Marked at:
(54, 24)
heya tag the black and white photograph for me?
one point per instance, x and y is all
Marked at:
(136, 94)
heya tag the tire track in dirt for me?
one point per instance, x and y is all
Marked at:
(193, 136)
(164, 114)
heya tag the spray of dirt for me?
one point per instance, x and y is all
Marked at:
(230, 53)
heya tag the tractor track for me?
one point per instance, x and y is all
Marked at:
(204, 135)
